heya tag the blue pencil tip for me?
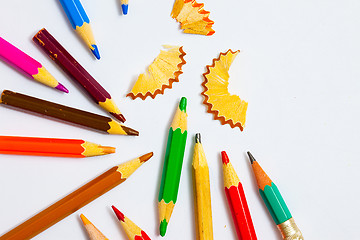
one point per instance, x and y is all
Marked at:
(125, 8)
(96, 51)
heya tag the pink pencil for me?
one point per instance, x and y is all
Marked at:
(28, 65)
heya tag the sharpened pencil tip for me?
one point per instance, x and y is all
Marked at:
(95, 51)
(224, 157)
(125, 8)
(146, 157)
(198, 138)
(118, 214)
(62, 88)
(107, 150)
(119, 117)
(84, 219)
(163, 227)
(182, 104)
(130, 131)
(251, 157)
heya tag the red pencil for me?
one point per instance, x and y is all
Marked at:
(132, 230)
(237, 201)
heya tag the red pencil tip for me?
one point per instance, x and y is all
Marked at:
(225, 158)
(118, 214)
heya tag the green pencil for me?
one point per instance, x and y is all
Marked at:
(275, 203)
(172, 165)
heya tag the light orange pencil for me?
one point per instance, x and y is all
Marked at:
(93, 232)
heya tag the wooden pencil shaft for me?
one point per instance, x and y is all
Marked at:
(53, 147)
(203, 215)
(275, 203)
(76, 200)
(75, 12)
(55, 110)
(173, 161)
(237, 201)
(93, 232)
(33, 144)
(133, 231)
(63, 58)
(18, 58)
(66, 206)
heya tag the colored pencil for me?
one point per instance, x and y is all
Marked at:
(124, 6)
(65, 113)
(27, 65)
(81, 23)
(237, 201)
(203, 216)
(53, 147)
(174, 155)
(132, 230)
(275, 203)
(59, 54)
(75, 200)
(93, 232)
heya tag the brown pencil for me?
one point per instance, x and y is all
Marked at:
(65, 113)
(75, 200)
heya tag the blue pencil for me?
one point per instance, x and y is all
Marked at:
(81, 23)
(124, 6)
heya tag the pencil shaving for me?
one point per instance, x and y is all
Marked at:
(161, 74)
(227, 108)
(192, 17)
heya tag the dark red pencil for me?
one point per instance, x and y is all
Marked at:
(237, 201)
(59, 54)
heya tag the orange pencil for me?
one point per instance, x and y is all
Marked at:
(51, 147)
(93, 232)
(75, 200)
(132, 231)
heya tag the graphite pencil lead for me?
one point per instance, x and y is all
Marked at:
(197, 138)
(251, 157)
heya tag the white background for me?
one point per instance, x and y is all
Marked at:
(298, 69)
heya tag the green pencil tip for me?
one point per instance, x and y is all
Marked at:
(182, 104)
(163, 227)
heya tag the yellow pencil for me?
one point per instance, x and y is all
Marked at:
(203, 216)
(93, 232)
